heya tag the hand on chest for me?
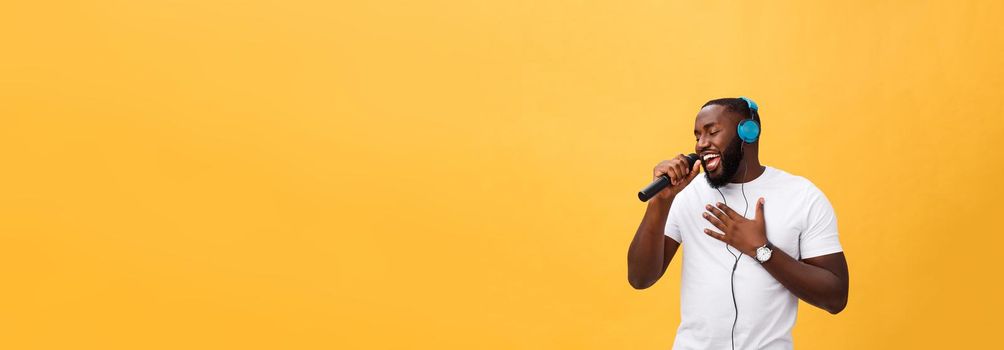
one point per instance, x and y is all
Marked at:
(735, 219)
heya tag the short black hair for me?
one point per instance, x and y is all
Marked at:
(735, 105)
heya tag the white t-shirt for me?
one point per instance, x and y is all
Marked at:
(800, 221)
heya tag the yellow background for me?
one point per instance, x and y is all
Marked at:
(434, 174)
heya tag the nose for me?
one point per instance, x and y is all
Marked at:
(703, 142)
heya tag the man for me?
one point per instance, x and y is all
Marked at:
(743, 269)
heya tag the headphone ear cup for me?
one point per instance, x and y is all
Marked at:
(748, 130)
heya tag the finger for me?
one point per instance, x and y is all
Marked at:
(674, 176)
(681, 167)
(669, 168)
(695, 169)
(719, 214)
(728, 211)
(658, 170)
(759, 210)
(715, 235)
(714, 221)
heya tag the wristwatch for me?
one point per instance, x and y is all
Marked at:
(763, 253)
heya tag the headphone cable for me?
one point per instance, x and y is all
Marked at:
(732, 279)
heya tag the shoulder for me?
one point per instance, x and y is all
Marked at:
(796, 183)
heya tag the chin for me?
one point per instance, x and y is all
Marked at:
(716, 178)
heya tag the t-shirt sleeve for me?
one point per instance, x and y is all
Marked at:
(675, 214)
(820, 236)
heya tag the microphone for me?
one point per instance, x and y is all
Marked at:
(650, 191)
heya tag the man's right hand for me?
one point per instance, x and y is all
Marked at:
(678, 172)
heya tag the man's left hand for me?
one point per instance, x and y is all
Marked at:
(744, 234)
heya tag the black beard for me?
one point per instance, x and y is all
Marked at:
(730, 165)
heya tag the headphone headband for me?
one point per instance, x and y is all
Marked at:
(749, 103)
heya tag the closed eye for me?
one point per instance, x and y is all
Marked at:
(698, 138)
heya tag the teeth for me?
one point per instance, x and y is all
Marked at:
(709, 156)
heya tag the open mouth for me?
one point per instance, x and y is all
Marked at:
(711, 161)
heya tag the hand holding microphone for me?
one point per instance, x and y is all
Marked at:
(671, 176)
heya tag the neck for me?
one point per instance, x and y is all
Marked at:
(749, 167)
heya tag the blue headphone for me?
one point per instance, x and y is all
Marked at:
(749, 129)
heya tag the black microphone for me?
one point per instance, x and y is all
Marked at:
(653, 188)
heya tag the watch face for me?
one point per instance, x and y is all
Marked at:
(763, 254)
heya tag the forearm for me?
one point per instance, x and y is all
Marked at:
(813, 284)
(646, 255)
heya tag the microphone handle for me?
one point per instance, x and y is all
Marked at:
(662, 181)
